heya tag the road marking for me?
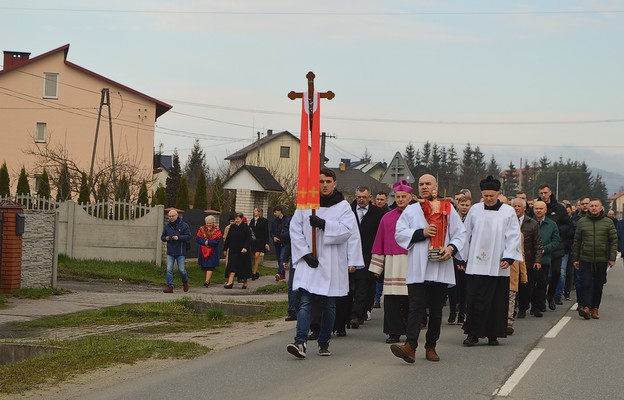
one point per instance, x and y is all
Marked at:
(519, 373)
(557, 328)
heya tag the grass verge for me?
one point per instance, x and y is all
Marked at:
(79, 356)
(137, 272)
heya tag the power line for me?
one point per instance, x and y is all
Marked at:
(320, 13)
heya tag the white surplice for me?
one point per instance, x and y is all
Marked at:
(492, 235)
(419, 267)
(338, 247)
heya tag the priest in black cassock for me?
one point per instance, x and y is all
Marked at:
(492, 245)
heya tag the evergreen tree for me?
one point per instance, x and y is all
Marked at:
(467, 170)
(218, 200)
(201, 198)
(173, 180)
(160, 195)
(182, 199)
(5, 181)
(195, 163)
(44, 185)
(436, 163)
(84, 197)
(493, 168)
(23, 187)
(599, 190)
(425, 156)
(510, 181)
(63, 190)
(451, 167)
(410, 156)
(102, 192)
(143, 196)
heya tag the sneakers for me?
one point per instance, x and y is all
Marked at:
(168, 289)
(291, 317)
(324, 349)
(558, 301)
(368, 315)
(185, 286)
(297, 349)
(279, 278)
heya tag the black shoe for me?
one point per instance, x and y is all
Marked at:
(341, 333)
(493, 341)
(551, 303)
(393, 339)
(538, 314)
(543, 309)
(291, 317)
(230, 286)
(470, 341)
(376, 304)
(558, 301)
(355, 323)
(521, 314)
(255, 276)
(313, 336)
(206, 284)
(461, 318)
(451, 318)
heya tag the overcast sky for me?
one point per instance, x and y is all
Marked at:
(520, 79)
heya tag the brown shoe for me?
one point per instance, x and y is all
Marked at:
(510, 330)
(431, 355)
(594, 313)
(168, 289)
(585, 312)
(185, 286)
(404, 351)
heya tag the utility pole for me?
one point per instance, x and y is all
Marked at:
(323, 138)
(104, 100)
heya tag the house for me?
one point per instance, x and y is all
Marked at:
(49, 102)
(162, 167)
(348, 180)
(252, 185)
(616, 203)
(374, 169)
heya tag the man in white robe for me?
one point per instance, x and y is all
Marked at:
(427, 280)
(492, 245)
(325, 277)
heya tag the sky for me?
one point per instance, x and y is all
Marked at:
(519, 79)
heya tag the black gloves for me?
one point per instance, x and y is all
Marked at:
(316, 222)
(310, 259)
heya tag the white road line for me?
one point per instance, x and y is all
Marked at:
(557, 328)
(515, 378)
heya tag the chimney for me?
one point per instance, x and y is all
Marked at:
(342, 166)
(14, 58)
(269, 132)
(346, 161)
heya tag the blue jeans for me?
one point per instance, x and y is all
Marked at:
(328, 316)
(378, 290)
(562, 278)
(181, 268)
(280, 260)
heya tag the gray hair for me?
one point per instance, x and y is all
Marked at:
(210, 218)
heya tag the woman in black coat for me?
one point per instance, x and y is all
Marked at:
(260, 228)
(238, 248)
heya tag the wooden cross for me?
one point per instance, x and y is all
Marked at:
(307, 188)
(324, 95)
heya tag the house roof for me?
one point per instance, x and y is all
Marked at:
(367, 166)
(261, 175)
(616, 196)
(163, 161)
(242, 153)
(350, 179)
(161, 107)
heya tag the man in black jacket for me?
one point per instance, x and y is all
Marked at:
(362, 280)
(556, 212)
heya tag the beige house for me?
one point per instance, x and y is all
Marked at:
(50, 101)
(616, 202)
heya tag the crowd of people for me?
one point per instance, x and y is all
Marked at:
(491, 260)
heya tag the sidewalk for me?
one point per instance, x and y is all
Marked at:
(95, 295)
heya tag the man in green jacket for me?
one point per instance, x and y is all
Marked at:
(550, 240)
(594, 248)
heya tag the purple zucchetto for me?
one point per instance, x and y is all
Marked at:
(402, 186)
(489, 183)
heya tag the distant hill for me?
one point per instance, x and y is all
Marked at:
(612, 180)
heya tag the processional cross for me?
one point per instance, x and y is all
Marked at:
(308, 191)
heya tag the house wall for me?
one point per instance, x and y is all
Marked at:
(71, 119)
(269, 158)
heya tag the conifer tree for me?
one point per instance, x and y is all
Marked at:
(201, 198)
(44, 185)
(23, 187)
(84, 197)
(182, 199)
(5, 181)
(173, 180)
(63, 190)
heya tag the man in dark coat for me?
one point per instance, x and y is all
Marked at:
(532, 253)
(362, 280)
(556, 212)
(276, 230)
(177, 234)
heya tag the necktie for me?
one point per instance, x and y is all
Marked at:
(362, 209)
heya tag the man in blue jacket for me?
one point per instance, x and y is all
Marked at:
(177, 234)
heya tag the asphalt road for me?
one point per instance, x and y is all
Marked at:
(582, 360)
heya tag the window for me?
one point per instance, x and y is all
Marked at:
(284, 151)
(50, 85)
(41, 135)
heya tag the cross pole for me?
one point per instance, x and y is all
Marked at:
(323, 95)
